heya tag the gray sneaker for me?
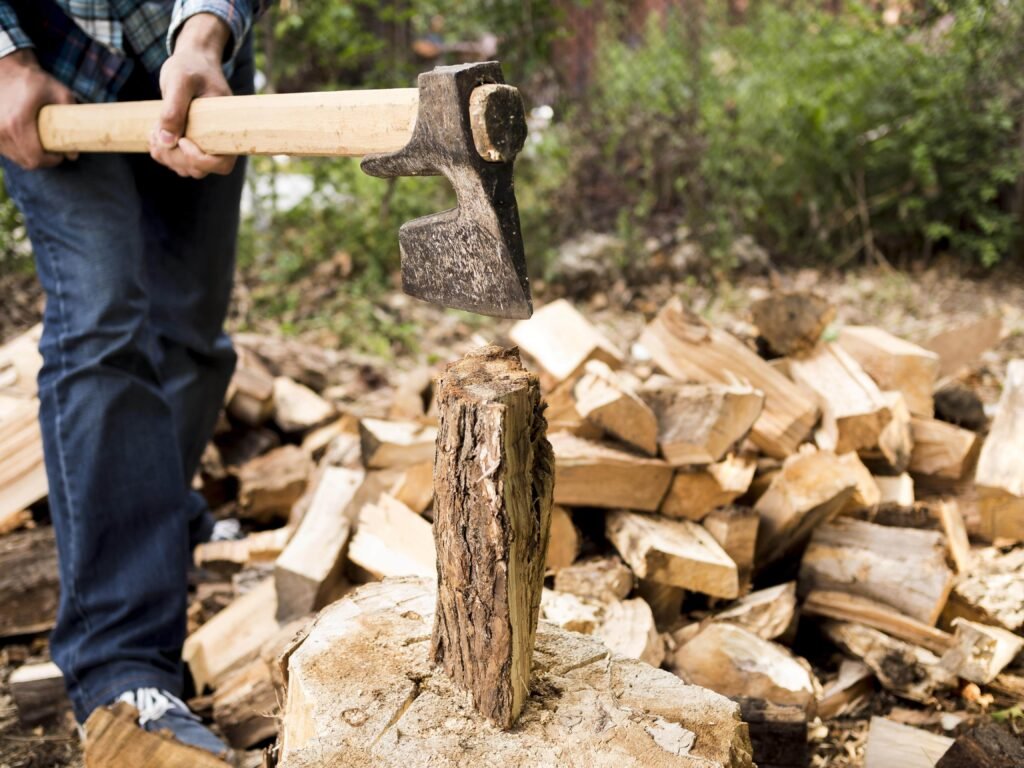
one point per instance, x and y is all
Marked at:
(160, 710)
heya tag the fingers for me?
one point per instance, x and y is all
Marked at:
(186, 159)
(178, 93)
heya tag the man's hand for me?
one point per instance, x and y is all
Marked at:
(193, 70)
(25, 89)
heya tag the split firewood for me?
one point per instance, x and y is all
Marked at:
(735, 529)
(896, 441)
(895, 489)
(958, 404)
(20, 363)
(344, 450)
(307, 364)
(962, 347)
(605, 579)
(999, 477)
(942, 451)
(245, 705)
(980, 652)
(902, 567)
(269, 485)
(812, 488)
(563, 416)
(38, 692)
(415, 487)
(907, 670)
(675, 552)
(688, 350)
(572, 612)
(695, 493)
(854, 413)
(768, 613)
(589, 474)
(297, 408)
(866, 493)
(700, 423)
(984, 745)
(893, 744)
(311, 568)
(956, 534)
(393, 444)
(492, 518)
(733, 661)
(852, 685)
(778, 732)
(318, 440)
(894, 364)
(13, 520)
(250, 395)
(629, 630)
(28, 582)
(992, 591)
(609, 400)
(564, 542)
(391, 540)
(665, 600)
(231, 556)
(22, 474)
(413, 396)
(113, 739)
(561, 340)
(792, 322)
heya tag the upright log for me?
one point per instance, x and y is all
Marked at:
(493, 480)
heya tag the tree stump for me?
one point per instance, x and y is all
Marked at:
(493, 478)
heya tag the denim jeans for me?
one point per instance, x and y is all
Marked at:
(137, 266)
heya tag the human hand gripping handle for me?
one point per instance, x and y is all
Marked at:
(193, 71)
(24, 90)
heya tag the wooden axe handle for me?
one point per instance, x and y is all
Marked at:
(341, 123)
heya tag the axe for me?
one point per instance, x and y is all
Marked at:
(461, 122)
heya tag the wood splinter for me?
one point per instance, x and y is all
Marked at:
(493, 481)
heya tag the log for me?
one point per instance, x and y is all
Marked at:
(13, 520)
(561, 340)
(980, 652)
(28, 582)
(572, 612)
(985, 745)
(245, 705)
(20, 363)
(894, 364)
(953, 526)
(492, 518)
(396, 444)
(391, 540)
(792, 322)
(999, 477)
(694, 494)
(852, 684)
(361, 693)
(269, 485)
(700, 423)
(564, 542)
(562, 415)
(812, 488)
(606, 579)
(609, 400)
(896, 442)
(904, 568)
(250, 394)
(38, 692)
(769, 613)
(629, 630)
(297, 408)
(853, 411)
(589, 474)
(898, 489)
(675, 552)
(778, 733)
(942, 451)
(229, 557)
(415, 487)
(310, 570)
(735, 529)
(22, 473)
(962, 346)
(687, 349)
(890, 744)
(992, 591)
(866, 493)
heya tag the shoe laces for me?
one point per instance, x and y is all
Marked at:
(152, 703)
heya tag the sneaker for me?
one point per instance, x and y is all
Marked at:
(228, 529)
(160, 710)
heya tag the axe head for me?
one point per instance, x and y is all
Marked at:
(470, 257)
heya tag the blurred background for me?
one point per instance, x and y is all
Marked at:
(670, 140)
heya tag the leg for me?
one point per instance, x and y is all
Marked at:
(117, 486)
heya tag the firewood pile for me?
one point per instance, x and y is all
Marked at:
(722, 505)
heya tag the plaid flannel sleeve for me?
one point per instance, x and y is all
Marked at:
(237, 14)
(12, 38)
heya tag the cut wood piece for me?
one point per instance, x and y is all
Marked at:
(778, 733)
(980, 652)
(311, 568)
(392, 540)
(853, 411)
(245, 705)
(942, 451)
(792, 322)
(492, 519)
(907, 670)
(687, 349)
(605, 579)
(695, 493)
(735, 662)
(572, 612)
(896, 442)
(894, 364)
(962, 346)
(892, 744)
(413, 396)
(735, 529)
(20, 363)
(700, 423)
(871, 613)
(361, 693)
(232, 636)
(233, 555)
(956, 534)
(297, 408)
(866, 493)
(629, 630)
(113, 739)
(38, 692)
(22, 473)
(393, 444)
(561, 340)
(564, 541)
(13, 520)
(589, 474)
(768, 613)
(904, 568)
(610, 401)
(665, 600)
(675, 552)
(250, 395)
(852, 685)
(269, 485)
(415, 487)
(317, 440)
(999, 477)
(984, 745)
(28, 582)
(562, 415)
(812, 487)
(992, 591)
(898, 489)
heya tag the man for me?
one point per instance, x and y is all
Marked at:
(135, 255)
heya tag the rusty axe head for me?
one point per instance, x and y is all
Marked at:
(470, 257)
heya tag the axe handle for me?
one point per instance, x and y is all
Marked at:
(341, 123)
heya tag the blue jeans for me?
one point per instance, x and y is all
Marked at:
(137, 267)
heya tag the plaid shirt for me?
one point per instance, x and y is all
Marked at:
(89, 45)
